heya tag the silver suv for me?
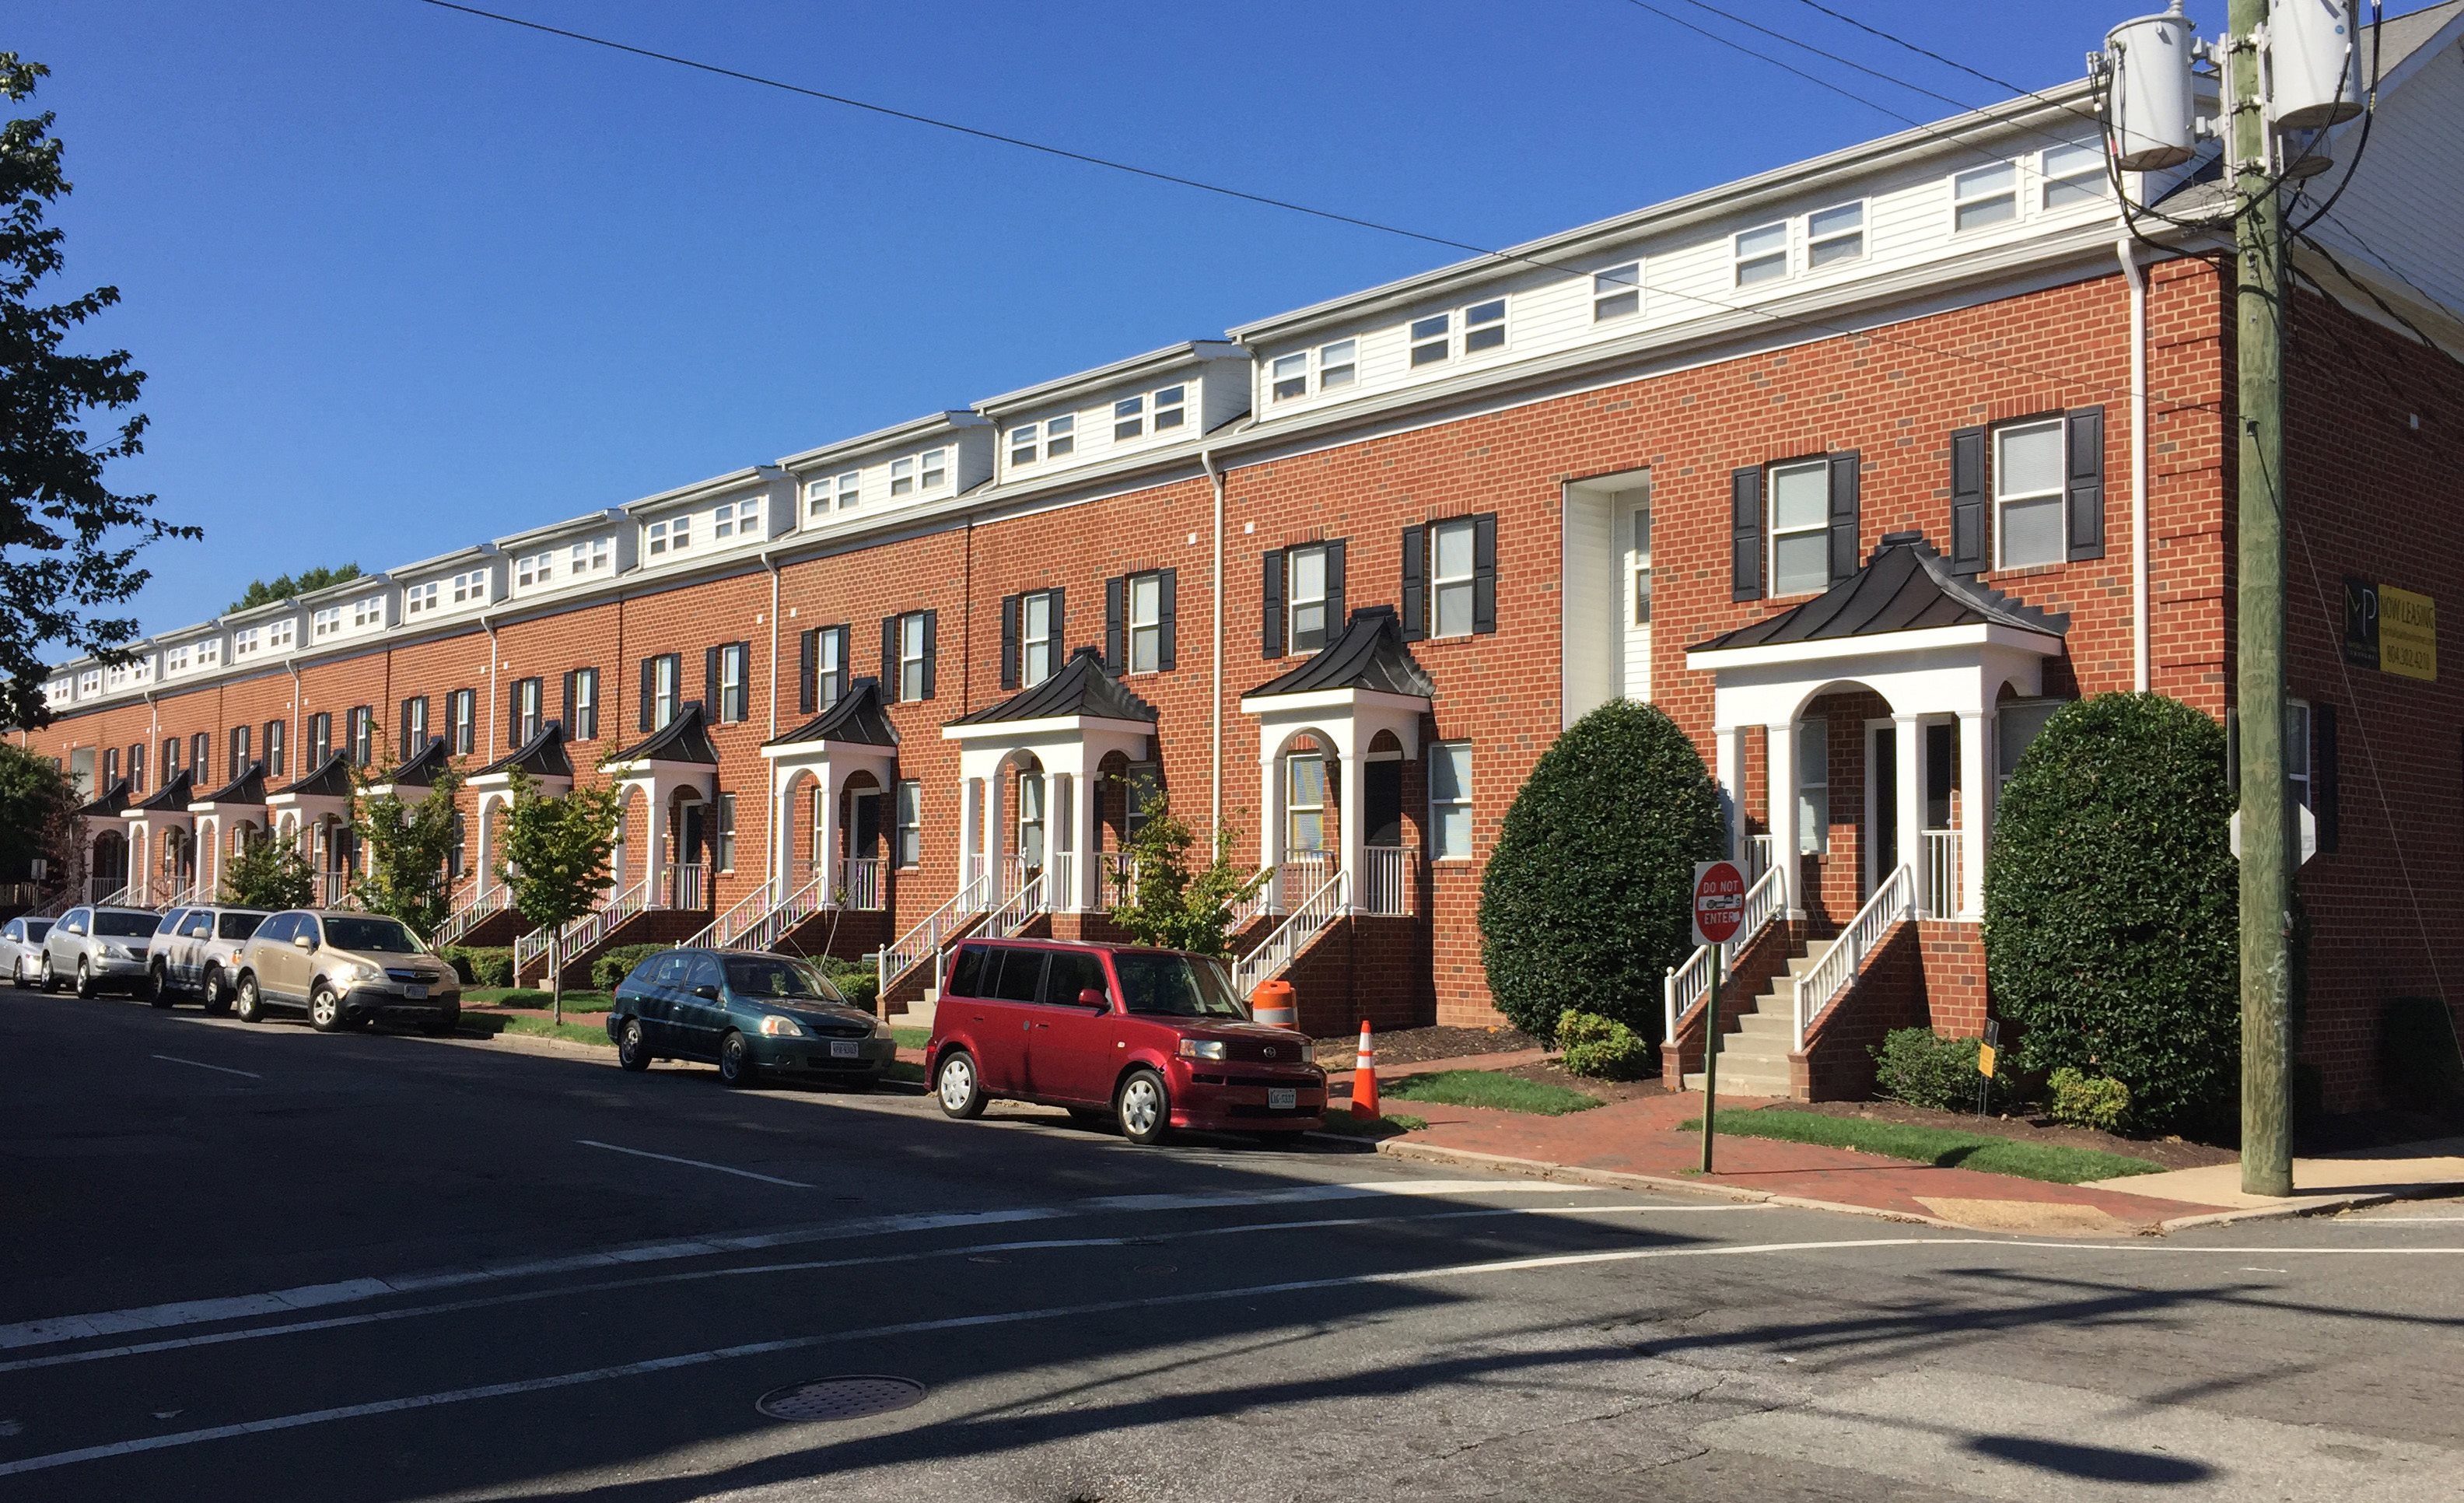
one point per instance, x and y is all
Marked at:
(195, 953)
(345, 970)
(98, 948)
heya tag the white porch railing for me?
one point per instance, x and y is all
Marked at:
(861, 883)
(765, 932)
(585, 932)
(1683, 988)
(1307, 919)
(1816, 990)
(333, 888)
(489, 901)
(117, 898)
(1386, 880)
(687, 886)
(1941, 873)
(1017, 872)
(1120, 870)
(748, 911)
(924, 941)
(1019, 910)
(1300, 876)
(1061, 880)
(1758, 856)
(1262, 890)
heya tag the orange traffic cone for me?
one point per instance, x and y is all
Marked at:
(1364, 1078)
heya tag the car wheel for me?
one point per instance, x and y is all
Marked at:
(324, 1009)
(17, 973)
(248, 1003)
(85, 978)
(442, 1023)
(158, 987)
(736, 1066)
(955, 1083)
(1144, 1108)
(217, 991)
(633, 1047)
(50, 982)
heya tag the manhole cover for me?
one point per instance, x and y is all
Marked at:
(840, 1397)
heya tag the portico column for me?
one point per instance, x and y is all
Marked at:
(1270, 823)
(1976, 810)
(1779, 763)
(1907, 734)
(1087, 814)
(1061, 842)
(783, 831)
(1352, 824)
(996, 817)
(971, 814)
(1728, 763)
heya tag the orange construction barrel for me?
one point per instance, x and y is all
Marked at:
(1273, 1003)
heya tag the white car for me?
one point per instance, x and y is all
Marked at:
(98, 949)
(21, 945)
(195, 953)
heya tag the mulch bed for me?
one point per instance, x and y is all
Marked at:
(2171, 1153)
(1411, 1046)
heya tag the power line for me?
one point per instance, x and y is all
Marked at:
(1897, 40)
(1733, 18)
(1153, 174)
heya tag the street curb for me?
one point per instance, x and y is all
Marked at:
(2321, 1205)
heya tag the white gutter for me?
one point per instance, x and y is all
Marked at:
(2140, 676)
(1215, 763)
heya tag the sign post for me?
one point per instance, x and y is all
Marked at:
(1719, 910)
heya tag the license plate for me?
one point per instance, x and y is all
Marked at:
(414, 993)
(842, 1051)
(1281, 1098)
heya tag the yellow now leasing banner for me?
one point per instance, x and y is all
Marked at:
(2408, 633)
(1985, 1059)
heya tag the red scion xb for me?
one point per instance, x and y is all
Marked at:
(1157, 1037)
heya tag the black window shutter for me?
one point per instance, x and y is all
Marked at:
(649, 686)
(1483, 573)
(889, 658)
(1060, 637)
(931, 624)
(1167, 616)
(808, 670)
(1968, 502)
(514, 714)
(710, 684)
(1746, 534)
(405, 725)
(567, 716)
(1271, 636)
(1117, 622)
(1844, 470)
(1009, 613)
(2322, 775)
(744, 681)
(1416, 587)
(2084, 443)
(1334, 617)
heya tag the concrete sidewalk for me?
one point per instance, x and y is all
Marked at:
(2329, 1182)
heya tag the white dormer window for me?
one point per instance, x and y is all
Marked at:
(850, 488)
(368, 612)
(246, 641)
(1024, 441)
(1060, 436)
(1983, 196)
(2072, 175)
(672, 536)
(90, 682)
(1761, 253)
(56, 692)
(1617, 290)
(1484, 326)
(902, 476)
(209, 655)
(175, 660)
(327, 622)
(817, 498)
(1432, 339)
(420, 599)
(1171, 408)
(936, 464)
(1834, 235)
(738, 518)
(1290, 375)
(1129, 418)
(1337, 364)
(587, 556)
(536, 570)
(282, 634)
(473, 585)
(116, 677)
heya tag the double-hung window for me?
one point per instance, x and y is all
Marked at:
(170, 757)
(275, 733)
(1146, 623)
(724, 859)
(201, 754)
(1310, 598)
(1761, 253)
(914, 660)
(1642, 558)
(326, 622)
(422, 598)
(1025, 447)
(1450, 801)
(1337, 364)
(461, 718)
(1983, 196)
(851, 486)
(176, 660)
(822, 675)
(1290, 374)
(1484, 326)
(1834, 235)
(1450, 578)
(1039, 636)
(1432, 339)
(1171, 407)
(1800, 527)
(238, 742)
(321, 738)
(1617, 290)
(1812, 786)
(911, 824)
(902, 477)
(2072, 175)
(529, 711)
(368, 613)
(1303, 804)
(817, 498)
(364, 735)
(730, 692)
(587, 556)
(737, 519)
(933, 463)
(414, 726)
(2028, 495)
(1129, 418)
(662, 685)
(582, 716)
(537, 568)
(209, 655)
(673, 534)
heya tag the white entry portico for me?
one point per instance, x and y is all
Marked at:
(813, 767)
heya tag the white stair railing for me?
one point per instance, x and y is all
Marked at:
(747, 912)
(924, 941)
(1307, 918)
(485, 903)
(765, 932)
(1892, 901)
(1941, 873)
(1684, 987)
(1020, 910)
(1260, 898)
(585, 932)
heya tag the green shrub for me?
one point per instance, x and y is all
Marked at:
(859, 981)
(1602, 1046)
(609, 970)
(480, 966)
(2111, 908)
(1586, 896)
(2087, 1100)
(1915, 1067)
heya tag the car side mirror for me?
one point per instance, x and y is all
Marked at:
(706, 992)
(303, 941)
(1089, 997)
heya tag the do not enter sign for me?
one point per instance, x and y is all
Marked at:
(1718, 901)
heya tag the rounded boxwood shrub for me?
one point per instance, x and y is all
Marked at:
(1914, 1067)
(609, 970)
(1587, 899)
(1603, 1048)
(2111, 907)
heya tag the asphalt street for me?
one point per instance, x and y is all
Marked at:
(261, 1263)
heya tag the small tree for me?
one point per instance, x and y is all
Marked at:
(407, 845)
(37, 805)
(1587, 899)
(268, 872)
(554, 861)
(1166, 903)
(2112, 907)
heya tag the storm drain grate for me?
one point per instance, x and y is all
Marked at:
(840, 1397)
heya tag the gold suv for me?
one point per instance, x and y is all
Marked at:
(345, 971)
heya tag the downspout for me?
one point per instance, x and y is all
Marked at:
(2140, 676)
(489, 627)
(772, 873)
(1215, 761)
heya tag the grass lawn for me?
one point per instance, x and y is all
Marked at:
(1491, 1089)
(532, 997)
(900, 1070)
(1942, 1146)
(911, 1038)
(542, 1028)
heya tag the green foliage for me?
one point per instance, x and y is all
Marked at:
(858, 981)
(1915, 1067)
(555, 856)
(609, 970)
(2078, 1100)
(37, 804)
(1167, 904)
(1492, 1088)
(284, 587)
(2112, 903)
(481, 965)
(68, 543)
(270, 874)
(1942, 1146)
(1588, 898)
(407, 845)
(1602, 1046)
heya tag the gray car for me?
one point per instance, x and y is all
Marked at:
(21, 945)
(195, 953)
(98, 949)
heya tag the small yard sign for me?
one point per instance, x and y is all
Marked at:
(1718, 901)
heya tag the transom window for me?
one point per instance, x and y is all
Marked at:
(1450, 583)
(1761, 253)
(1038, 638)
(1146, 623)
(2028, 495)
(672, 536)
(1303, 804)
(1432, 337)
(2072, 175)
(1800, 527)
(1834, 235)
(1308, 602)
(1983, 196)
(1484, 326)
(1617, 290)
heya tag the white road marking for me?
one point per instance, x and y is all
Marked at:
(909, 1328)
(175, 1059)
(697, 1163)
(53, 1329)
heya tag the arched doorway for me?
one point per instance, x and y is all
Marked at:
(107, 865)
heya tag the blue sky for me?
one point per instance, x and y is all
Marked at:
(405, 280)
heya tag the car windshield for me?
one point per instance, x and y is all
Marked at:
(1175, 986)
(125, 925)
(238, 926)
(376, 936)
(36, 928)
(760, 976)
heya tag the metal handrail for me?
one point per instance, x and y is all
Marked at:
(748, 911)
(1941, 873)
(1386, 880)
(485, 904)
(914, 947)
(1020, 910)
(764, 932)
(1284, 944)
(1261, 884)
(585, 931)
(1683, 989)
(1831, 975)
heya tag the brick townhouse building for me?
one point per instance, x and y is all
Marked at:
(1857, 469)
